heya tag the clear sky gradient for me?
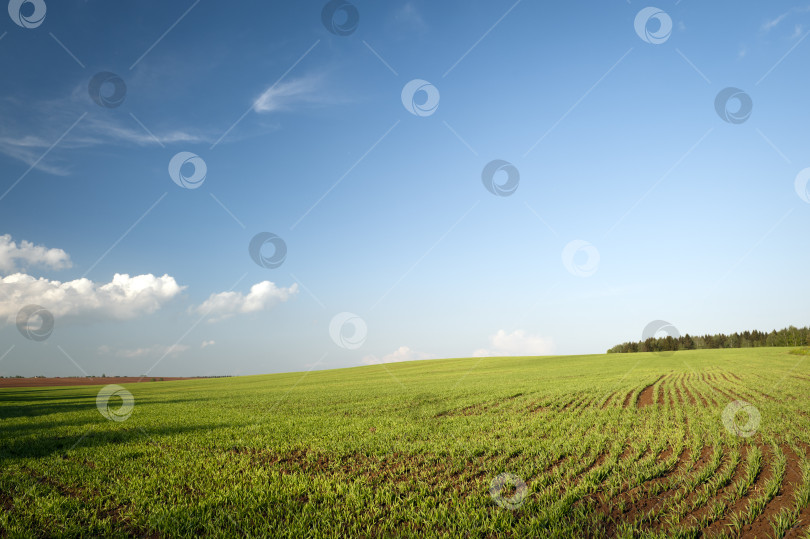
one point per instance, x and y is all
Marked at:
(609, 127)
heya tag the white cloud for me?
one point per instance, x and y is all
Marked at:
(517, 343)
(262, 296)
(103, 131)
(29, 150)
(124, 297)
(403, 353)
(206, 344)
(46, 121)
(284, 95)
(770, 24)
(11, 255)
(773, 23)
(157, 351)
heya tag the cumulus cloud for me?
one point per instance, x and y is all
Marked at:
(517, 343)
(156, 351)
(123, 298)
(262, 296)
(14, 257)
(283, 95)
(403, 353)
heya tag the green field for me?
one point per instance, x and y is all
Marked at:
(618, 445)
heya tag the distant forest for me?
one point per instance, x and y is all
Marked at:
(790, 336)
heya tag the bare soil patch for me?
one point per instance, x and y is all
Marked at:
(626, 403)
(645, 397)
(721, 526)
(761, 527)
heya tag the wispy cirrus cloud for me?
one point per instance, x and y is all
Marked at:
(286, 95)
(28, 137)
(774, 22)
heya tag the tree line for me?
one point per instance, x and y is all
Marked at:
(789, 336)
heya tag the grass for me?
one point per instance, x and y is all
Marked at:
(413, 449)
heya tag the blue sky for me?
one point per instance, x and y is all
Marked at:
(676, 213)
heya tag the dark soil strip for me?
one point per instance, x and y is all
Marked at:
(739, 473)
(568, 405)
(710, 396)
(537, 407)
(580, 404)
(636, 505)
(645, 397)
(607, 402)
(626, 403)
(726, 394)
(692, 400)
(703, 400)
(692, 496)
(600, 459)
(678, 394)
(761, 527)
(764, 395)
(721, 526)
